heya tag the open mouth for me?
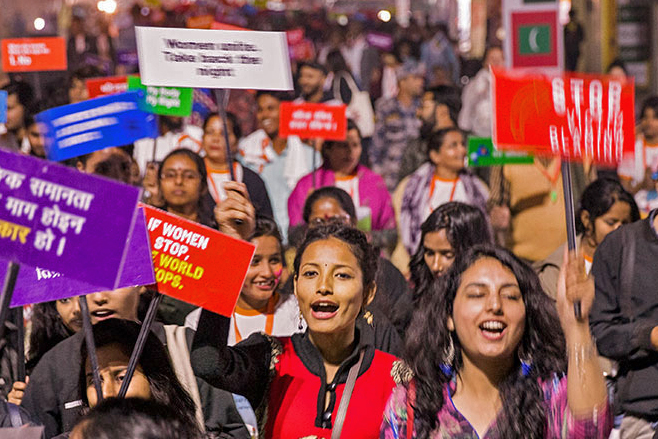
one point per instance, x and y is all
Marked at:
(102, 314)
(492, 329)
(324, 310)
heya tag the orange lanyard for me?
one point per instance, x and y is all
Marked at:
(452, 191)
(552, 179)
(212, 180)
(269, 321)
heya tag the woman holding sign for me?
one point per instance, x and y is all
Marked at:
(213, 145)
(304, 385)
(494, 359)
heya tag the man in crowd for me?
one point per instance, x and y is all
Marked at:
(624, 320)
(396, 123)
(19, 102)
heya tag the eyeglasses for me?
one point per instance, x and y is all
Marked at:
(170, 174)
(336, 219)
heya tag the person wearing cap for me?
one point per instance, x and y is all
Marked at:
(396, 123)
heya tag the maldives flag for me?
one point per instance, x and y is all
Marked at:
(535, 39)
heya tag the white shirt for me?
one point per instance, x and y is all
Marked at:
(444, 191)
(146, 149)
(633, 166)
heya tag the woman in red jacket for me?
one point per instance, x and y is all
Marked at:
(300, 385)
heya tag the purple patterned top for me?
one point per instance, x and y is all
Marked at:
(560, 425)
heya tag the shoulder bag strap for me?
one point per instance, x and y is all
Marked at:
(345, 399)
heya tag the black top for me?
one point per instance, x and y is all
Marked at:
(626, 336)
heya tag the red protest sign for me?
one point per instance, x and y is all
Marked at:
(312, 121)
(33, 54)
(196, 264)
(200, 22)
(575, 116)
(106, 86)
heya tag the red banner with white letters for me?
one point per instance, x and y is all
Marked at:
(313, 121)
(33, 54)
(577, 116)
(106, 86)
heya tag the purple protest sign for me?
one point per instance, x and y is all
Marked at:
(37, 285)
(63, 220)
(380, 41)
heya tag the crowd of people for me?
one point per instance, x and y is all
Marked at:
(394, 291)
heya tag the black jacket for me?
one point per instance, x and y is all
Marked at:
(53, 395)
(622, 320)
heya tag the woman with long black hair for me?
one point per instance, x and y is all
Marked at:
(449, 231)
(493, 357)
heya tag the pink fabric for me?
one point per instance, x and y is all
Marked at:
(372, 193)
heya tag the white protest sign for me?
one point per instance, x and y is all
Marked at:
(213, 58)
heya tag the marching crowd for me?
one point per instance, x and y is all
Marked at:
(395, 292)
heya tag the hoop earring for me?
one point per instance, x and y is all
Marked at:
(448, 358)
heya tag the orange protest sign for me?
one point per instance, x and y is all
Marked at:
(575, 116)
(33, 54)
(312, 121)
(197, 264)
(106, 86)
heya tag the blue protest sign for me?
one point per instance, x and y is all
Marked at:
(77, 129)
(63, 220)
(3, 106)
(37, 285)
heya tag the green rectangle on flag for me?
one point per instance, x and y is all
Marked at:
(481, 152)
(535, 39)
(166, 101)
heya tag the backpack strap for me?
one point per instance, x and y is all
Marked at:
(14, 415)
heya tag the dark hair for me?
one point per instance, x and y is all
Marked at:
(23, 91)
(598, 197)
(136, 418)
(204, 205)
(154, 361)
(278, 95)
(351, 125)
(449, 96)
(356, 240)
(341, 197)
(336, 62)
(266, 226)
(48, 329)
(428, 338)
(231, 119)
(617, 63)
(83, 73)
(465, 227)
(650, 102)
(116, 166)
(312, 65)
(435, 141)
(489, 48)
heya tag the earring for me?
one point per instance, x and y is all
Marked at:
(448, 358)
(300, 326)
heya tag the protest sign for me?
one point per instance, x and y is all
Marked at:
(295, 36)
(481, 152)
(3, 106)
(575, 116)
(63, 220)
(33, 54)
(168, 101)
(200, 22)
(77, 129)
(197, 264)
(312, 120)
(106, 86)
(213, 58)
(37, 285)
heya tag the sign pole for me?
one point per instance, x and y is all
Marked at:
(570, 216)
(7, 292)
(139, 344)
(20, 343)
(222, 95)
(91, 346)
